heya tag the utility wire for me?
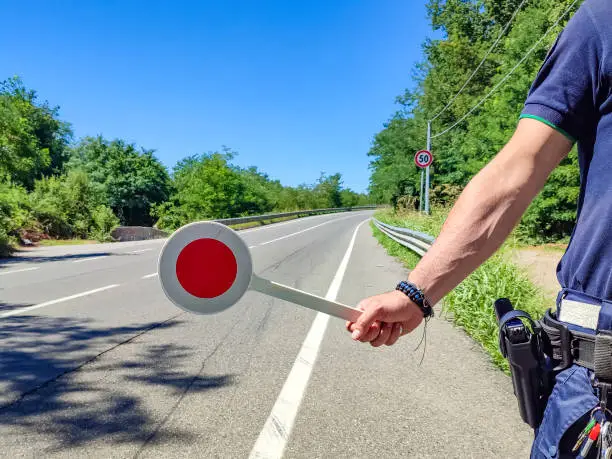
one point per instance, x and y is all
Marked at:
(501, 34)
(503, 80)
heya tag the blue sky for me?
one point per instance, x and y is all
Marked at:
(295, 87)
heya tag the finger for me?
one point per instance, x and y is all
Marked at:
(365, 321)
(372, 333)
(395, 334)
(383, 336)
(350, 326)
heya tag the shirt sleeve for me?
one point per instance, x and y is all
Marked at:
(564, 94)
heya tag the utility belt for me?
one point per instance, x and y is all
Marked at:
(538, 350)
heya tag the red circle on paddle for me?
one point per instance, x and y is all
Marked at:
(206, 268)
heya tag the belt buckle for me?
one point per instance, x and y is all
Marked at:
(568, 346)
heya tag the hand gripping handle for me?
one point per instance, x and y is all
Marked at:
(308, 300)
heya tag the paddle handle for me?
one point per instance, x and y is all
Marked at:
(283, 292)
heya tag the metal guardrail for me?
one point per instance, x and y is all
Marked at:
(139, 233)
(414, 240)
(305, 213)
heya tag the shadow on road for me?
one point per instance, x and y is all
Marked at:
(6, 307)
(43, 399)
(8, 262)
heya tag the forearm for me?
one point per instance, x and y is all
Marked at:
(483, 217)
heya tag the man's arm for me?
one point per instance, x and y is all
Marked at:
(490, 207)
(482, 218)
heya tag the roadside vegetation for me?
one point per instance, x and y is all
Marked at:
(55, 187)
(468, 130)
(470, 304)
(467, 30)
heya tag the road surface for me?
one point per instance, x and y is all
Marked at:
(96, 362)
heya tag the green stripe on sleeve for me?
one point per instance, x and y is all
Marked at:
(548, 123)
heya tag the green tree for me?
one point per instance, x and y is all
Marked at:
(259, 192)
(209, 186)
(469, 28)
(130, 180)
(327, 191)
(206, 187)
(33, 141)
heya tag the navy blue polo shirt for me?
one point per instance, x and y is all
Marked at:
(572, 93)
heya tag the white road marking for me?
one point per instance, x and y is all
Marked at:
(59, 300)
(140, 251)
(90, 259)
(276, 225)
(302, 231)
(269, 225)
(273, 438)
(293, 220)
(149, 276)
(18, 271)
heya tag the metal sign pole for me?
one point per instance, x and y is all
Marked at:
(427, 169)
(421, 191)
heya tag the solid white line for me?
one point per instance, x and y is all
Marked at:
(273, 438)
(149, 276)
(17, 271)
(59, 300)
(140, 251)
(302, 231)
(89, 259)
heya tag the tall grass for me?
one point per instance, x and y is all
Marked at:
(470, 304)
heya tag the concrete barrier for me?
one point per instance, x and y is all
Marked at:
(136, 233)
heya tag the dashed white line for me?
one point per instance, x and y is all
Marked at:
(59, 300)
(300, 232)
(140, 251)
(17, 271)
(279, 224)
(273, 438)
(149, 276)
(90, 259)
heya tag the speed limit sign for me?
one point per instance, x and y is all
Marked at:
(423, 159)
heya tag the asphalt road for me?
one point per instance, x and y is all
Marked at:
(96, 362)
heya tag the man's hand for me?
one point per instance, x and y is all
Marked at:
(385, 318)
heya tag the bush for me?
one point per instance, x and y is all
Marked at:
(70, 206)
(14, 215)
(104, 221)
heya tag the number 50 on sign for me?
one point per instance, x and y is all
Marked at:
(423, 159)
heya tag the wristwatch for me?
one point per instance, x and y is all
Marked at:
(417, 297)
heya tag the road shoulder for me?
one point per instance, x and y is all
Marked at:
(366, 402)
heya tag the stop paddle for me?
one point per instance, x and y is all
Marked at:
(206, 267)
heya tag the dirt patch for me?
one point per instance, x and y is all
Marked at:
(541, 264)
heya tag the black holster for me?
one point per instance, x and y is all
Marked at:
(523, 344)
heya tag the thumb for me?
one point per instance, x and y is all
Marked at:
(365, 320)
